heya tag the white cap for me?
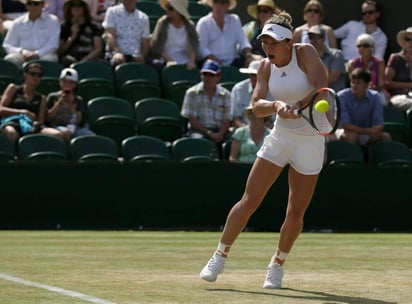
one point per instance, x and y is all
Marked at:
(252, 68)
(70, 74)
(276, 31)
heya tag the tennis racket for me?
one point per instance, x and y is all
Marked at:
(324, 120)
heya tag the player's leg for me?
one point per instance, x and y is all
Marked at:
(261, 177)
(301, 188)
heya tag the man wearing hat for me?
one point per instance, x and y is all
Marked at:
(66, 109)
(332, 58)
(241, 94)
(35, 35)
(260, 12)
(206, 105)
(221, 35)
(398, 72)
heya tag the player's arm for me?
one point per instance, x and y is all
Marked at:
(261, 106)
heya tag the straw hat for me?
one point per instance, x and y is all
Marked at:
(400, 37)
(253, 8)
(232, 3)
(179, 5)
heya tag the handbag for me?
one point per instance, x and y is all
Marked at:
(24, 121)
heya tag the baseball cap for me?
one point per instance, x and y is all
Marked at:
(210, 66)
(252, 68)
(276, 31)
(70, 74)
(316, 30)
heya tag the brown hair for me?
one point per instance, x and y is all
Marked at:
(281, 18)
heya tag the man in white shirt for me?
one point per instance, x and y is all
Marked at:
(35, 35)
(349, 32)
(127, 33)
(221, 35)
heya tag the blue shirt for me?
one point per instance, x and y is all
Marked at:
(364, 113)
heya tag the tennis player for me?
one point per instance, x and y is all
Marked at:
(292, 73)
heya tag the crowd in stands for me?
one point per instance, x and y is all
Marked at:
(114, 33)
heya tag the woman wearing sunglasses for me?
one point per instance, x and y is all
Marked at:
(22, 109)
(313, 14)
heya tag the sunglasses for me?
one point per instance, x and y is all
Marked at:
(221, 1)
(314, 36)
(77, 4)
(408, 39)
(368, 13)
(33, 3)
(364, 46)
(264, 11)
(313, 10)
(207, 74)
(170, 8)
(35, 74)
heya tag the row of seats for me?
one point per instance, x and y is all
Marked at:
(131, 81)
(101, 148)
(147, 148)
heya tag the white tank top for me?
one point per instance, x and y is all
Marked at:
(290, 84)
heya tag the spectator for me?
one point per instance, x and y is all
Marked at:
(241, 95)
(313, 14)
(98, 8)
(80, 37)
(361, 118)
(127, 31)
(221, 36)
(207, 106)
(398, 72)
(55, 7)
(349, 32)
(23, 110)
(174, 39)
(332, 58)
(35, 35)
(66, 109)
(247, 140)
(10, 10)
(376, 67)
(260, 12)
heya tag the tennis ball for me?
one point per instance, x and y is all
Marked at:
(322, 106)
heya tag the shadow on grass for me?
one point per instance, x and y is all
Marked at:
(312, 295)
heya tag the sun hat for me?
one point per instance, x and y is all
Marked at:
(276, 31)
(252, 9)
(232, 3)
(252, 68)
(400, 37)
(211, 66)
(180, 6)
(70, 74)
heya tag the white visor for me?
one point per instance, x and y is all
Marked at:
(275, 31)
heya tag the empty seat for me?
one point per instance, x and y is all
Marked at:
(394, 122)
(144, 148)
(41, 147)
(92, 148)
(159, 118)
(112, 117)
(194, 149)
(340, 152)
(9, 72)
(389, 153)
(7, 149)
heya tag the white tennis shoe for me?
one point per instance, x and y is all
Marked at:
(274, 276)
(213, 268)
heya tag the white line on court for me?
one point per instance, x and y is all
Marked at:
(62, 291)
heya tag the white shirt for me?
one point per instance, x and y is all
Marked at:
(41, 35)
(350, 31)
(223, 44)
(130, 28)
(176, 44)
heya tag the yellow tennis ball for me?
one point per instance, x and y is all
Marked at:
(322, 106)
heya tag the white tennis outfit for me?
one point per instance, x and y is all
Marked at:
(292, 141)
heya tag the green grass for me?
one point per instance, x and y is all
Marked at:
(163, 267)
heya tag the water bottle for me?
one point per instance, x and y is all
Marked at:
(72, 124)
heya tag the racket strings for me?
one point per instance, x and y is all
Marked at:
(325, 122)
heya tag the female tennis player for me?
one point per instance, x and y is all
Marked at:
(292, 73)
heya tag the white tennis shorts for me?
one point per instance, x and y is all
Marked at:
(303, 152)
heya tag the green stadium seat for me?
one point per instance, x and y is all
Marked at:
(42, 147)
(340, 152)
(394, 122)
(94, 148)
(390, 153)
(9, 73)
(144, 148)
(189, 149)
(7, 149)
